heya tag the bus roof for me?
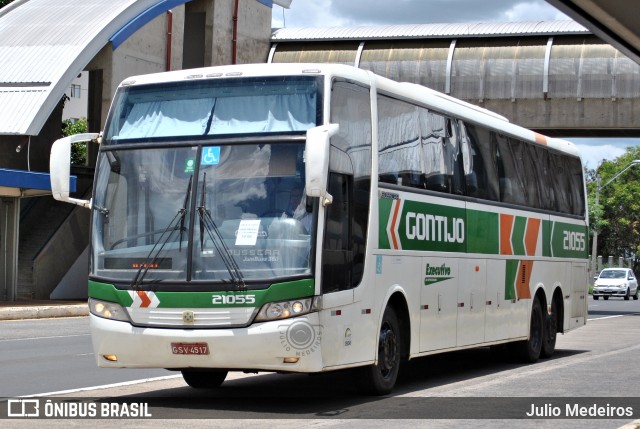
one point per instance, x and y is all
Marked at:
(412, 92)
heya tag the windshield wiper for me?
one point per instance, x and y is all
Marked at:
(176, 223)
(184, 211)
(207, 223)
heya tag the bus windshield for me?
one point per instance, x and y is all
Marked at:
(208, 213)
(213, 107)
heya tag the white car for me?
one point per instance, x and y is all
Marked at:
(616, 282)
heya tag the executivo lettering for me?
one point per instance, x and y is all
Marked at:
(427, 227)
(435, 274)
(442, 270)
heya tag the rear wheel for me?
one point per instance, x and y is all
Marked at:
(205, 378)
(550, 331)
(380, 378)
(596, 297)
(605, 298)
(529, 350)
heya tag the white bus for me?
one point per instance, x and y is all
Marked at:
(310, 218)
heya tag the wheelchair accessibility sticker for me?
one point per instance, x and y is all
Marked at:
(210, 155)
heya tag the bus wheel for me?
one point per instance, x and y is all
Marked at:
(529, 350)
(204, 379)
(550, 331)
(380, 378)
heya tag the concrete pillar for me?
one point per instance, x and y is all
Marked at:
(621, 262)
(9, 228)
(599, 265)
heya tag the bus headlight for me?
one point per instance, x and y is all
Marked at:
(286, 309)
(108, 310)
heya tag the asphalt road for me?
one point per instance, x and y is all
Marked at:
(40, 356)
(595, 365)
(613, 307)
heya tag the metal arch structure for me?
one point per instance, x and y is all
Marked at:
(555, 77)
(44, 45)
(616, 22)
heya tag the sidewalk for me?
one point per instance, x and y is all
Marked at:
(17, 310)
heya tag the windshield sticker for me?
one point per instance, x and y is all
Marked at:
(210, 155)
(189, 165)
(248, 232)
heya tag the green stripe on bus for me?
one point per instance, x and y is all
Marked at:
(517, 236)
(108, 292)
(546, 238)
(569, 240)
(483, 233)
(510, 278)
(276, 292)
(434, 227)
(384, 205)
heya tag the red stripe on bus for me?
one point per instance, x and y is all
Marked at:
(531, 236)
(144, 298)
(506, 226)
(524, 278)
(541, 139)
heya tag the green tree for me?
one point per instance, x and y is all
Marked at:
(617, 218)
(3, 3)
(78, 150)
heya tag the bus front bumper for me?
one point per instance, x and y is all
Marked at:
(267, 346)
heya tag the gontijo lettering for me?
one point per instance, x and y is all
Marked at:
(427, 227)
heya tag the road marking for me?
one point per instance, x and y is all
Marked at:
(613, 317)
(44, 338)
(104, 386)
(462, 388)
(606, 317)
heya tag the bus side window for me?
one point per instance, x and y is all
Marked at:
(437, 151)
(482, 181)
(575, 191)
(337, 253)
(512, 188)
(457, 179)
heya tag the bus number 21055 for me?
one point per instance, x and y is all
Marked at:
(233, 299)
(574, 241)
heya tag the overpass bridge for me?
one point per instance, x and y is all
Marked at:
(555, 77)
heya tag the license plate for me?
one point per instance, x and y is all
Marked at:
(190, 348)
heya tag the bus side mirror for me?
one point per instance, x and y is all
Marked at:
(316, 158)
(60, 167)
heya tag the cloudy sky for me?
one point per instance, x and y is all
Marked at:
(340, 13)
(344, 13)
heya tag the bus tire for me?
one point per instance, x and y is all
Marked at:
(204, 379)
(550, 331)
(529, 350)
(379, 379)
